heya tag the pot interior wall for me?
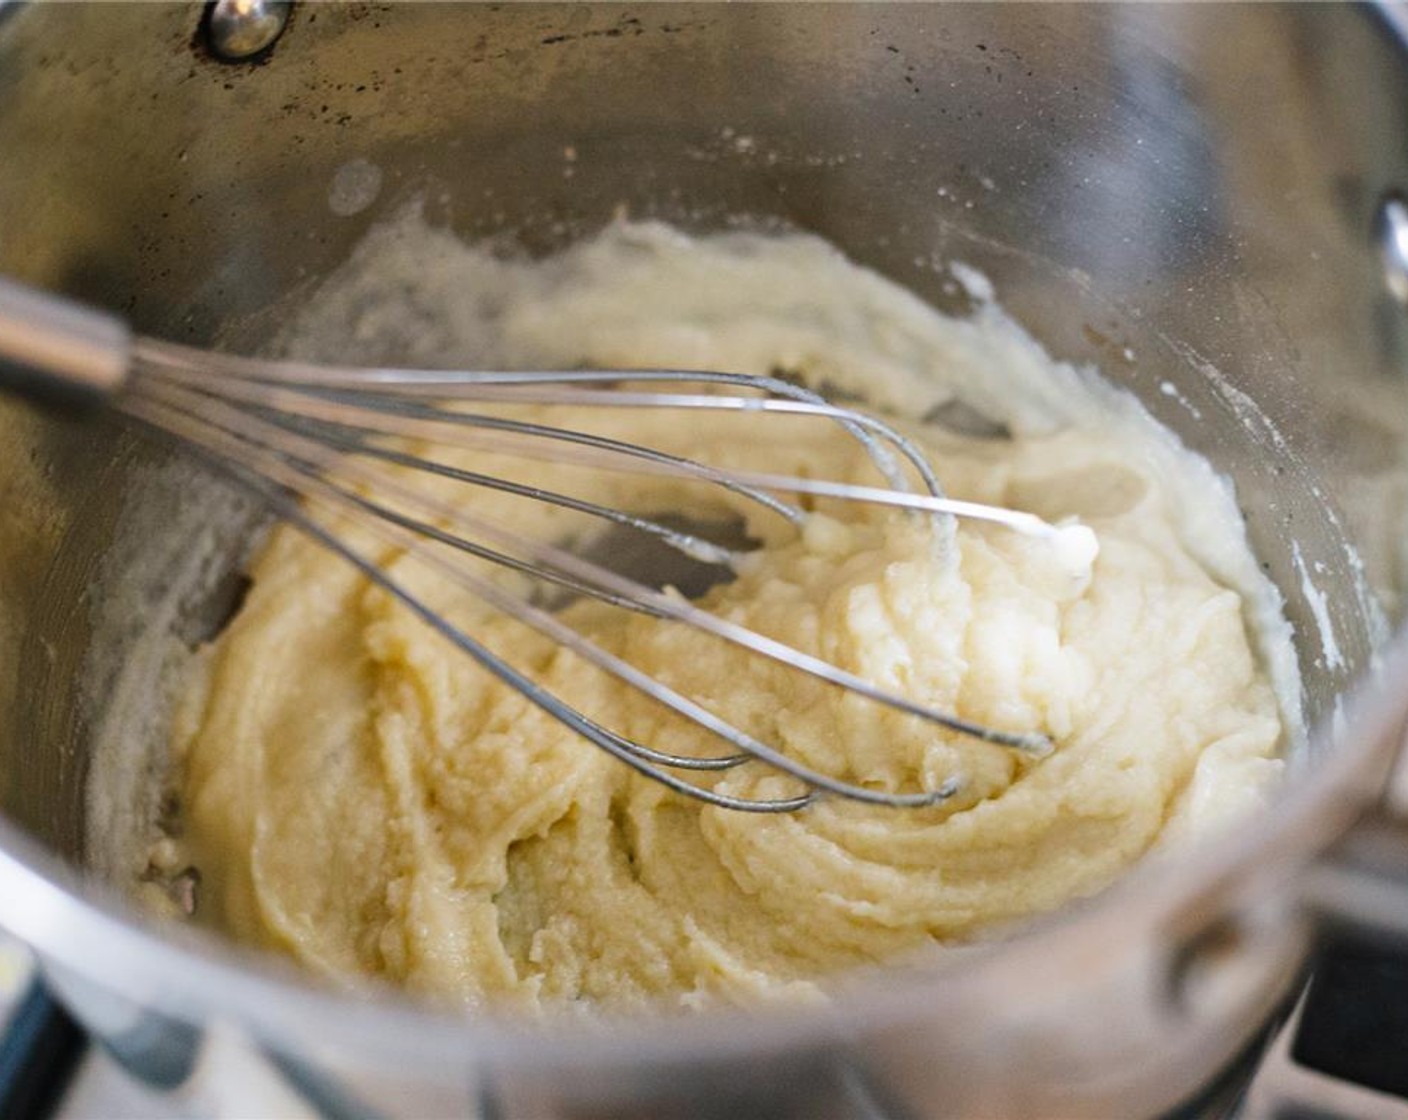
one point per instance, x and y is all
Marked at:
(1146, 191)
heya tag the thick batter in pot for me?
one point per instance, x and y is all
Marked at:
(359, 795)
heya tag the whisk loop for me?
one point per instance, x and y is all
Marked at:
(342, 440)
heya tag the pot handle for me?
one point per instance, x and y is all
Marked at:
(1361, 885)
(1322, 1063)
(1340, 1056)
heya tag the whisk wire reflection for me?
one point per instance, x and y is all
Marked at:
(320, 434)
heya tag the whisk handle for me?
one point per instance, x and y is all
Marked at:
(55, 348)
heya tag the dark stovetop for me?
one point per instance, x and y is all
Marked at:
(1355, 1022)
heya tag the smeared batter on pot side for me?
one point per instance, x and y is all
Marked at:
(361, 796)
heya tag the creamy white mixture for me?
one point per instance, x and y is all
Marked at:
(361, 796)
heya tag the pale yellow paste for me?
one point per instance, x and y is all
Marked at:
(361, 796)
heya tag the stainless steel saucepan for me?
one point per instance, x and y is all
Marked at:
(1200, 200)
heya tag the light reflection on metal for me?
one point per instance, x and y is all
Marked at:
(1391, 233)
(239, 29)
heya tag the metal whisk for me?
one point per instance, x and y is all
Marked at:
(303, 436)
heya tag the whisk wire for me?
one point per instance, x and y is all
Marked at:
(189, 362)
(635, 754)
(412, 421)
(324, 441)
(446, 428)
(592, 577)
